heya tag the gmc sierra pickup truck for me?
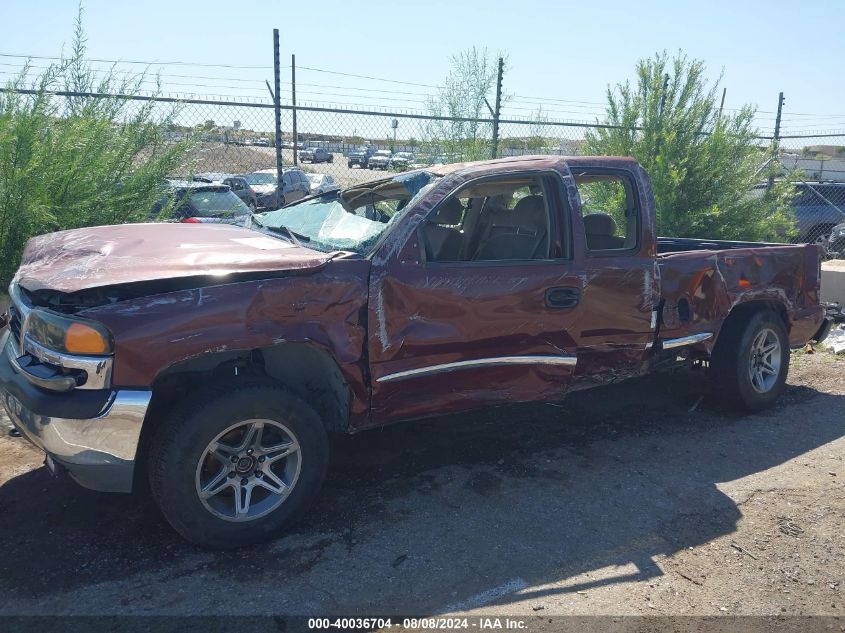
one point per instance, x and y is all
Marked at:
(216, 360)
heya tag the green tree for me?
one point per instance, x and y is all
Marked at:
(471, 81)
(68, 162)
(702, 165)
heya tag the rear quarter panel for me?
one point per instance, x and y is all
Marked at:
(712, 283)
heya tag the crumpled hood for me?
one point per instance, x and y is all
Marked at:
(79, 259)
(263, 188)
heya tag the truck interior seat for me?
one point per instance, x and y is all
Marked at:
(518, 233)
(601, 232)
(443, 238)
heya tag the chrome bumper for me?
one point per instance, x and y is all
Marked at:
(99, 452)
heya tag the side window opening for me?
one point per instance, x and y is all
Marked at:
(502, 219)
(609, 211)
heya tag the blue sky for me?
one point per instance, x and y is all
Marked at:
(567, 51)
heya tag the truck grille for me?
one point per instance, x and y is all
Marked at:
(15, 322)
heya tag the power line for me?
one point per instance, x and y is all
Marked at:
(393, 81)
(135, 61)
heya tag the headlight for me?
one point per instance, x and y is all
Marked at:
(69, 335)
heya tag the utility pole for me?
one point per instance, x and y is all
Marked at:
(498, 111)
(722, 105)
(776, 140)
(277, 109)
(293, 103)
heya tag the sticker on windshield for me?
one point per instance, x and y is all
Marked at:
(263, 243)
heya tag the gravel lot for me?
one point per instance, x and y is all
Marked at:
(214, 157)
(624, 500)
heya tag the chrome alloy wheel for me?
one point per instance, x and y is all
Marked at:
(764, 366)
(248, 470)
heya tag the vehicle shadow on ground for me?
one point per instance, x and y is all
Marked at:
(443, 514)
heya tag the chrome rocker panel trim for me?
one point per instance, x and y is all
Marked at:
(672, 343)
(566, 361)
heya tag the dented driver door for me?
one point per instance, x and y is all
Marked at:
(455, 336)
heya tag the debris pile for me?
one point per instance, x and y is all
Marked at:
(836, 340)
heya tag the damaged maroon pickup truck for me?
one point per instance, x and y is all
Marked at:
(215, 360)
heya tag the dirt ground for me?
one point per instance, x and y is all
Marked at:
(639, 498)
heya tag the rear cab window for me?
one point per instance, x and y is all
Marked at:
(609, 210)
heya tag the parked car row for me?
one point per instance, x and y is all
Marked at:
(260, 189)
(216, 197)
(315, 155)
(369, 157)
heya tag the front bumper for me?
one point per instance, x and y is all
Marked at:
(92, 434)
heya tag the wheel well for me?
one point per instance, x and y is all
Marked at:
(308, 372)
(744, 311)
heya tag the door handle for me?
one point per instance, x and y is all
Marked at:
(563, 297)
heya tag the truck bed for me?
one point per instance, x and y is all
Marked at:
(702, 281)
(681, 244)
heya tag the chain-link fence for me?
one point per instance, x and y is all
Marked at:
(352, 146)
(816, 164)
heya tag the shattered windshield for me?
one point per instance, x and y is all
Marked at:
(351, 220)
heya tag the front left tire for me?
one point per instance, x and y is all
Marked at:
(236, 465)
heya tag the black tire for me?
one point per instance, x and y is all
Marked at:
(731, 364)
(179, 447)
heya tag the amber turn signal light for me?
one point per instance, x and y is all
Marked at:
(83, 339)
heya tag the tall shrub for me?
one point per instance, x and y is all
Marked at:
(68, 162)
(703, 166)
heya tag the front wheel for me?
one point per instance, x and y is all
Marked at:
(238, 467)
(751, 360)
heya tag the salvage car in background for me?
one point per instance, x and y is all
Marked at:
(223, 358)
(315, 155)
(381, 159)
(202, 203)
(238, 184)
(321, 183)
(818, 207)
(295, 185)
(836, 242)
(360, 157)
(402, 160)
(243, 190)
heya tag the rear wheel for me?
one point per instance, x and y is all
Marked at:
(751, 360)
(238, 467)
